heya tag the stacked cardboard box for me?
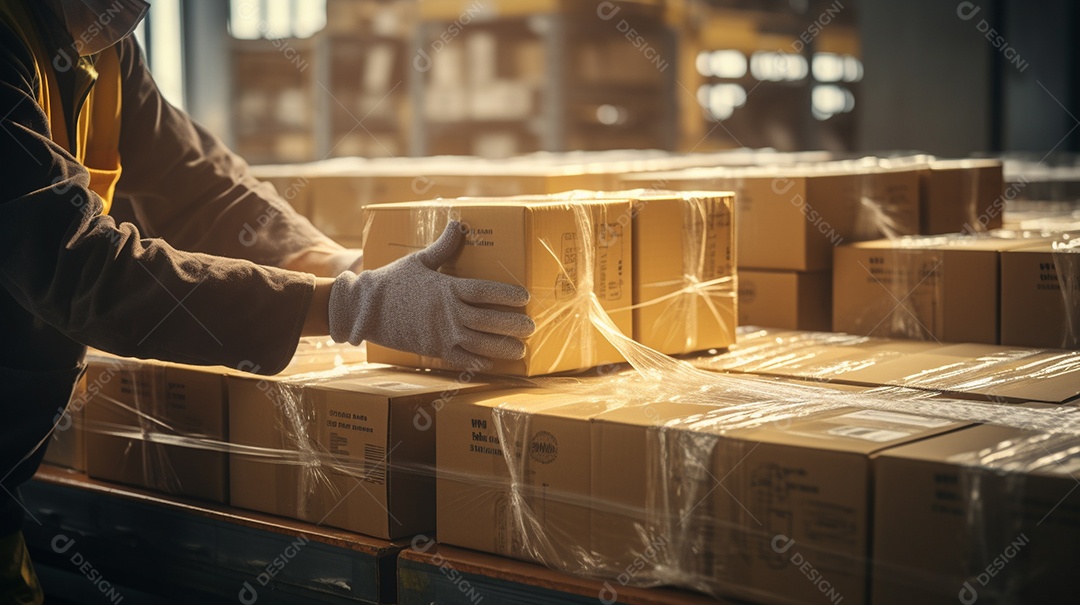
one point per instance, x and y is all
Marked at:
(984, 514)
(562, 252)
(162, 425)
(353, 450)
(1040, 296)
(957, 289)
(791, 218)
(586, 484)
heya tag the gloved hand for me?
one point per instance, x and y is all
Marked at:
(408, 305)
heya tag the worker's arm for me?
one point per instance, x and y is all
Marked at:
(103, 284)
(191, 190)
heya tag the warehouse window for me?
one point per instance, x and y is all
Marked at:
(253, 19)
(159, 35)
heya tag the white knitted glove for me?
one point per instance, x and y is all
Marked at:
(408, 305)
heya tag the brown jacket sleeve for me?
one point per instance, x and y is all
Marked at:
(103, 284)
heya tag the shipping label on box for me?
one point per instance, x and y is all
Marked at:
(684, 271)
(561, 252)
(354, 450)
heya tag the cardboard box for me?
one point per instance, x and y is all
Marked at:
(136, 400)
(353, 450)
(67, 444)
(607, 486)
(134, 408)
(534, 243)
(961, 196)
(986, 514)
(530, 502)
(777, 513)
(969, 371)
(1035, 311)
(791, 300)
(676, 239)
(792, 218)
(942, 289)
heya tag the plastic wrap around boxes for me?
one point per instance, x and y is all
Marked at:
(761, 488)
(813, 208)
(653, 266)
(1013, 289)
(750, 486)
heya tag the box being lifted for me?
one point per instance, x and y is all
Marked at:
(562, 252)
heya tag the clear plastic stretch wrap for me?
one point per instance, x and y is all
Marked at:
(1008, 287)
(795, 468)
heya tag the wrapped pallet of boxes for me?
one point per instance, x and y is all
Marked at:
(985, 514)
(1040, 295)
(970, 371)
(688, 494)
(352, 448)
(575, 259)
(925, 288)
(164, 426)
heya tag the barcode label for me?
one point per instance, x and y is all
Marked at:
(868, 433)
(374, 464)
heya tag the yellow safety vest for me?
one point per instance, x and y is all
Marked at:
(97, 130)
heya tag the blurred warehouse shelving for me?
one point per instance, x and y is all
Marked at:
(495, 78)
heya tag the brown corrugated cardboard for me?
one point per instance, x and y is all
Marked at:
(1035, 311)
(138, 399)
(948, 532)
(941, 289)
(537, 244)
(785, 299)
(792, 218)
(545, 517)
(961, 196)
(355, 450)
(680, 241)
